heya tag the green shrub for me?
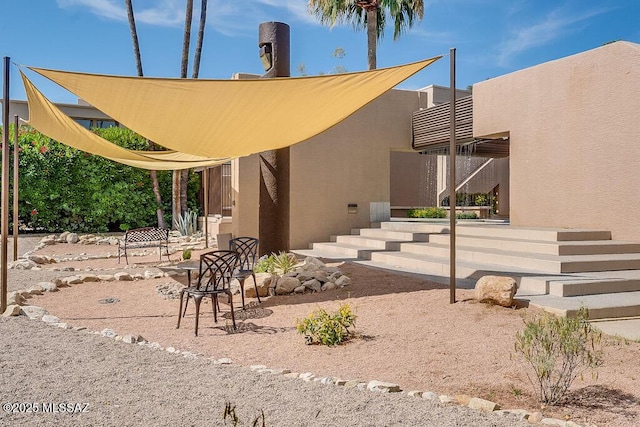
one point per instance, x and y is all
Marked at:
(323, 328)
(467, 215)
(559, 349)
(186, 254)
(264, 264)
(427, 213)
(64, 189)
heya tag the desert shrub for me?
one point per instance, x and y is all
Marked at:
(280, 263)
(559, 349)
(229, 415)
(427, 213)
(284, 262)
(320, 327)
(186, 254)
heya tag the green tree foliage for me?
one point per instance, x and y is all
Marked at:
(369, 15)
(64, 189)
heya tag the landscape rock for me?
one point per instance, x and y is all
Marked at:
(328, 286)
(263, 281)
(22, 264)
(482, 405)
(72, 238)
(123, 276)
(299, 290)
(89, 278)
(383, 387)
(12, 310)
(342, 281)
(34, 312)
(286, 285)
(15, 298)
(48, 318)
(71, 280)
(498, 290)
(47, 286)
(313, 285)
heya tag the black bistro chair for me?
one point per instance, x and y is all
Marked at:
(216, 269)
(247, 249)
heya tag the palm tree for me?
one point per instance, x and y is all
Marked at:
(184, 178)
(138, 58)
(370, 15)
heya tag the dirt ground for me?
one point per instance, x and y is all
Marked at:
(406, 333)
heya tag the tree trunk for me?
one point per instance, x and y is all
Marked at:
(175, 198)
(177, 190)
(372, 37)
(186, 39)
(138, 59)
(200, 39)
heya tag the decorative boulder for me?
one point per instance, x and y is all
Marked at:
(498, 290)
(286, 285)
(72, 238)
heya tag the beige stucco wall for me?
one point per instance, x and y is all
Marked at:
(349, 163)
(574, 139)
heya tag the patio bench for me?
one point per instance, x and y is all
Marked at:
(148, 237)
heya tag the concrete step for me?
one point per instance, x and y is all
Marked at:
(602, 306)
(535, 234)
(588, 247)
(388, 244)
(577, 285)
(482, 229)
(398, 235)
(416, 226)
(340, 251)
(535, 262)
(440, 265)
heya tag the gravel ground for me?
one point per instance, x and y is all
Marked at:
(108, 383)
(124, 384)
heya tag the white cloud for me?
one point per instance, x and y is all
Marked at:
(169, 13)
(554, 25)
(231, 18)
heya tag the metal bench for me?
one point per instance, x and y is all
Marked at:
(148, 237)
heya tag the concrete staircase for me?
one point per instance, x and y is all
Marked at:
(559, 270)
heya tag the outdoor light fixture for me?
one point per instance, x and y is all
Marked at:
(266, 56)
(352, 208)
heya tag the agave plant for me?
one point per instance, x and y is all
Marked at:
(187, 224)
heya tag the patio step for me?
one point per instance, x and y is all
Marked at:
(580, 247)
(550, 265)
(617, 305)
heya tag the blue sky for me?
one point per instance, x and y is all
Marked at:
(492, 37)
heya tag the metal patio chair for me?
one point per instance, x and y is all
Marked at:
(247, 249)
(216, 269)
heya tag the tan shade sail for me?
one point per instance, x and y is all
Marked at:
(231, 118)
(51, 121)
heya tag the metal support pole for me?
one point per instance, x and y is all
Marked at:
(16, 150)
(4, 204)
(205, 178)
(452, 177)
